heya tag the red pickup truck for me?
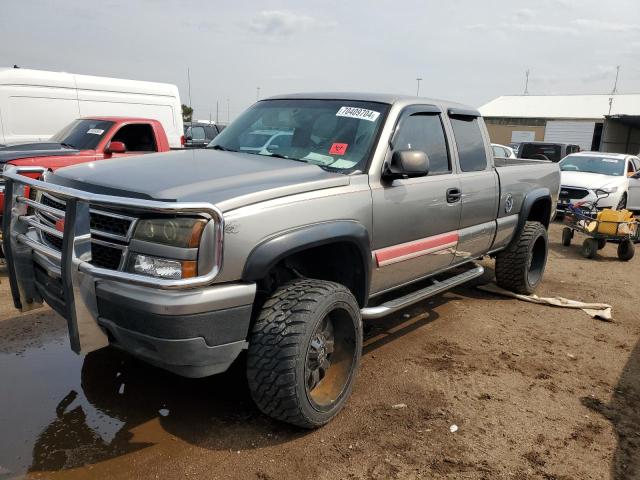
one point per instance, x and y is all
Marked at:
(86, 140)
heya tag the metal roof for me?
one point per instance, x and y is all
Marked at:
(562, 106)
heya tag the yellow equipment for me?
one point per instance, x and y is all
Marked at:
(615, 222)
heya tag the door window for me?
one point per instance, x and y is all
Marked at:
(424, 132)
(470, 143)
(137, 137)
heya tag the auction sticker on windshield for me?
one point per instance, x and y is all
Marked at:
(338, 148)
(360, 113)
(95, 131)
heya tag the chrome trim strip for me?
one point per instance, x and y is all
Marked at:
(41, 226)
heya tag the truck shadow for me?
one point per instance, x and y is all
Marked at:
(119, 399)
(623, 411)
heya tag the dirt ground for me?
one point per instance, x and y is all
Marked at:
(536, 393)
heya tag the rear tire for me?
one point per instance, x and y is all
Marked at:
(626, 250)
(589, 248)
(520, 267)
(567, 234)
(304, 352)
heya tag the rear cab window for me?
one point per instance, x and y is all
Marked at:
(472, 154)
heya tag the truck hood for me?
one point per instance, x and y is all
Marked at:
(590, 181)
(17, 151)
(227, 179)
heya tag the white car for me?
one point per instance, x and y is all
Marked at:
(265, 142)
(502, 151)
(587, 176)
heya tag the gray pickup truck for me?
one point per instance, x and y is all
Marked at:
(192, 259)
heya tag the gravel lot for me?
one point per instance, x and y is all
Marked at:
(536, 392)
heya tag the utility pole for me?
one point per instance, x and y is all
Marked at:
(419, 79)
(189, 82)
(526, 82)
(257, 93)
(217, 112)
(615, 85)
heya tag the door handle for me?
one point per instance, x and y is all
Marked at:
(453, 195)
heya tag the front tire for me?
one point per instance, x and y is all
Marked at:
(520, 267)
(304, 352)
(567, 235)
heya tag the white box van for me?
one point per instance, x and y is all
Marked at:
(35, 104)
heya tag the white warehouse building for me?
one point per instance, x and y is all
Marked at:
(608, 123)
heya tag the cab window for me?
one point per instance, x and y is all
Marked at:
(424, 132)
(470, 143)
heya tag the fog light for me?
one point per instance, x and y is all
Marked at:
(157, 267)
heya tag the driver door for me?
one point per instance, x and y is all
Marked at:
(415, 220)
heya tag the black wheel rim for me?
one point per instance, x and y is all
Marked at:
(330, 359)
(537, 261)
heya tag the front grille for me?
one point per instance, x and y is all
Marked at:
(103, 256)
(109, 233)
(571, 193)
(111, 225)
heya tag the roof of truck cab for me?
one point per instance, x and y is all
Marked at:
(388, 98)
(120, 119)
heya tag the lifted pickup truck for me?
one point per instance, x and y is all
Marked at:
(85, 140)
(194, 257)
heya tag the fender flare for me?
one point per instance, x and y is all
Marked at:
(267, 254)
(541, 193)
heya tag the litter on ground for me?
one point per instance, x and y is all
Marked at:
(601, 311)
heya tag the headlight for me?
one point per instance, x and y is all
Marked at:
(180, 232)
(162, 267)
(175, 235)
(608, 189)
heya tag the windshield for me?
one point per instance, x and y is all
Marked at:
(82, 134)
(334, 134)
(602, 165)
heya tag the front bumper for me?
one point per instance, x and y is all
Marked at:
(187, 326)
(604, 202)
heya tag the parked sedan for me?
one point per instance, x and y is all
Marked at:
(586, 176)
(502, 151)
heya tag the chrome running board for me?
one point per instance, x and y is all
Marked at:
(437, 287)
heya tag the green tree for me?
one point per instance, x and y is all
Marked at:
(187, 113)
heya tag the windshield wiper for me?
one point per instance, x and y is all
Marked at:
(67, 145)
(224, 149)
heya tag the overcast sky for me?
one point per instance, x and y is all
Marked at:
(466, 50)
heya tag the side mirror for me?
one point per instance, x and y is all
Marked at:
(407, 164)
(116, 147)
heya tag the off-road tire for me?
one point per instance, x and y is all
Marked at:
(279, 344)
(567, 235)
(520, 266)
(589, 248)
(626, 250)
(602, 242)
